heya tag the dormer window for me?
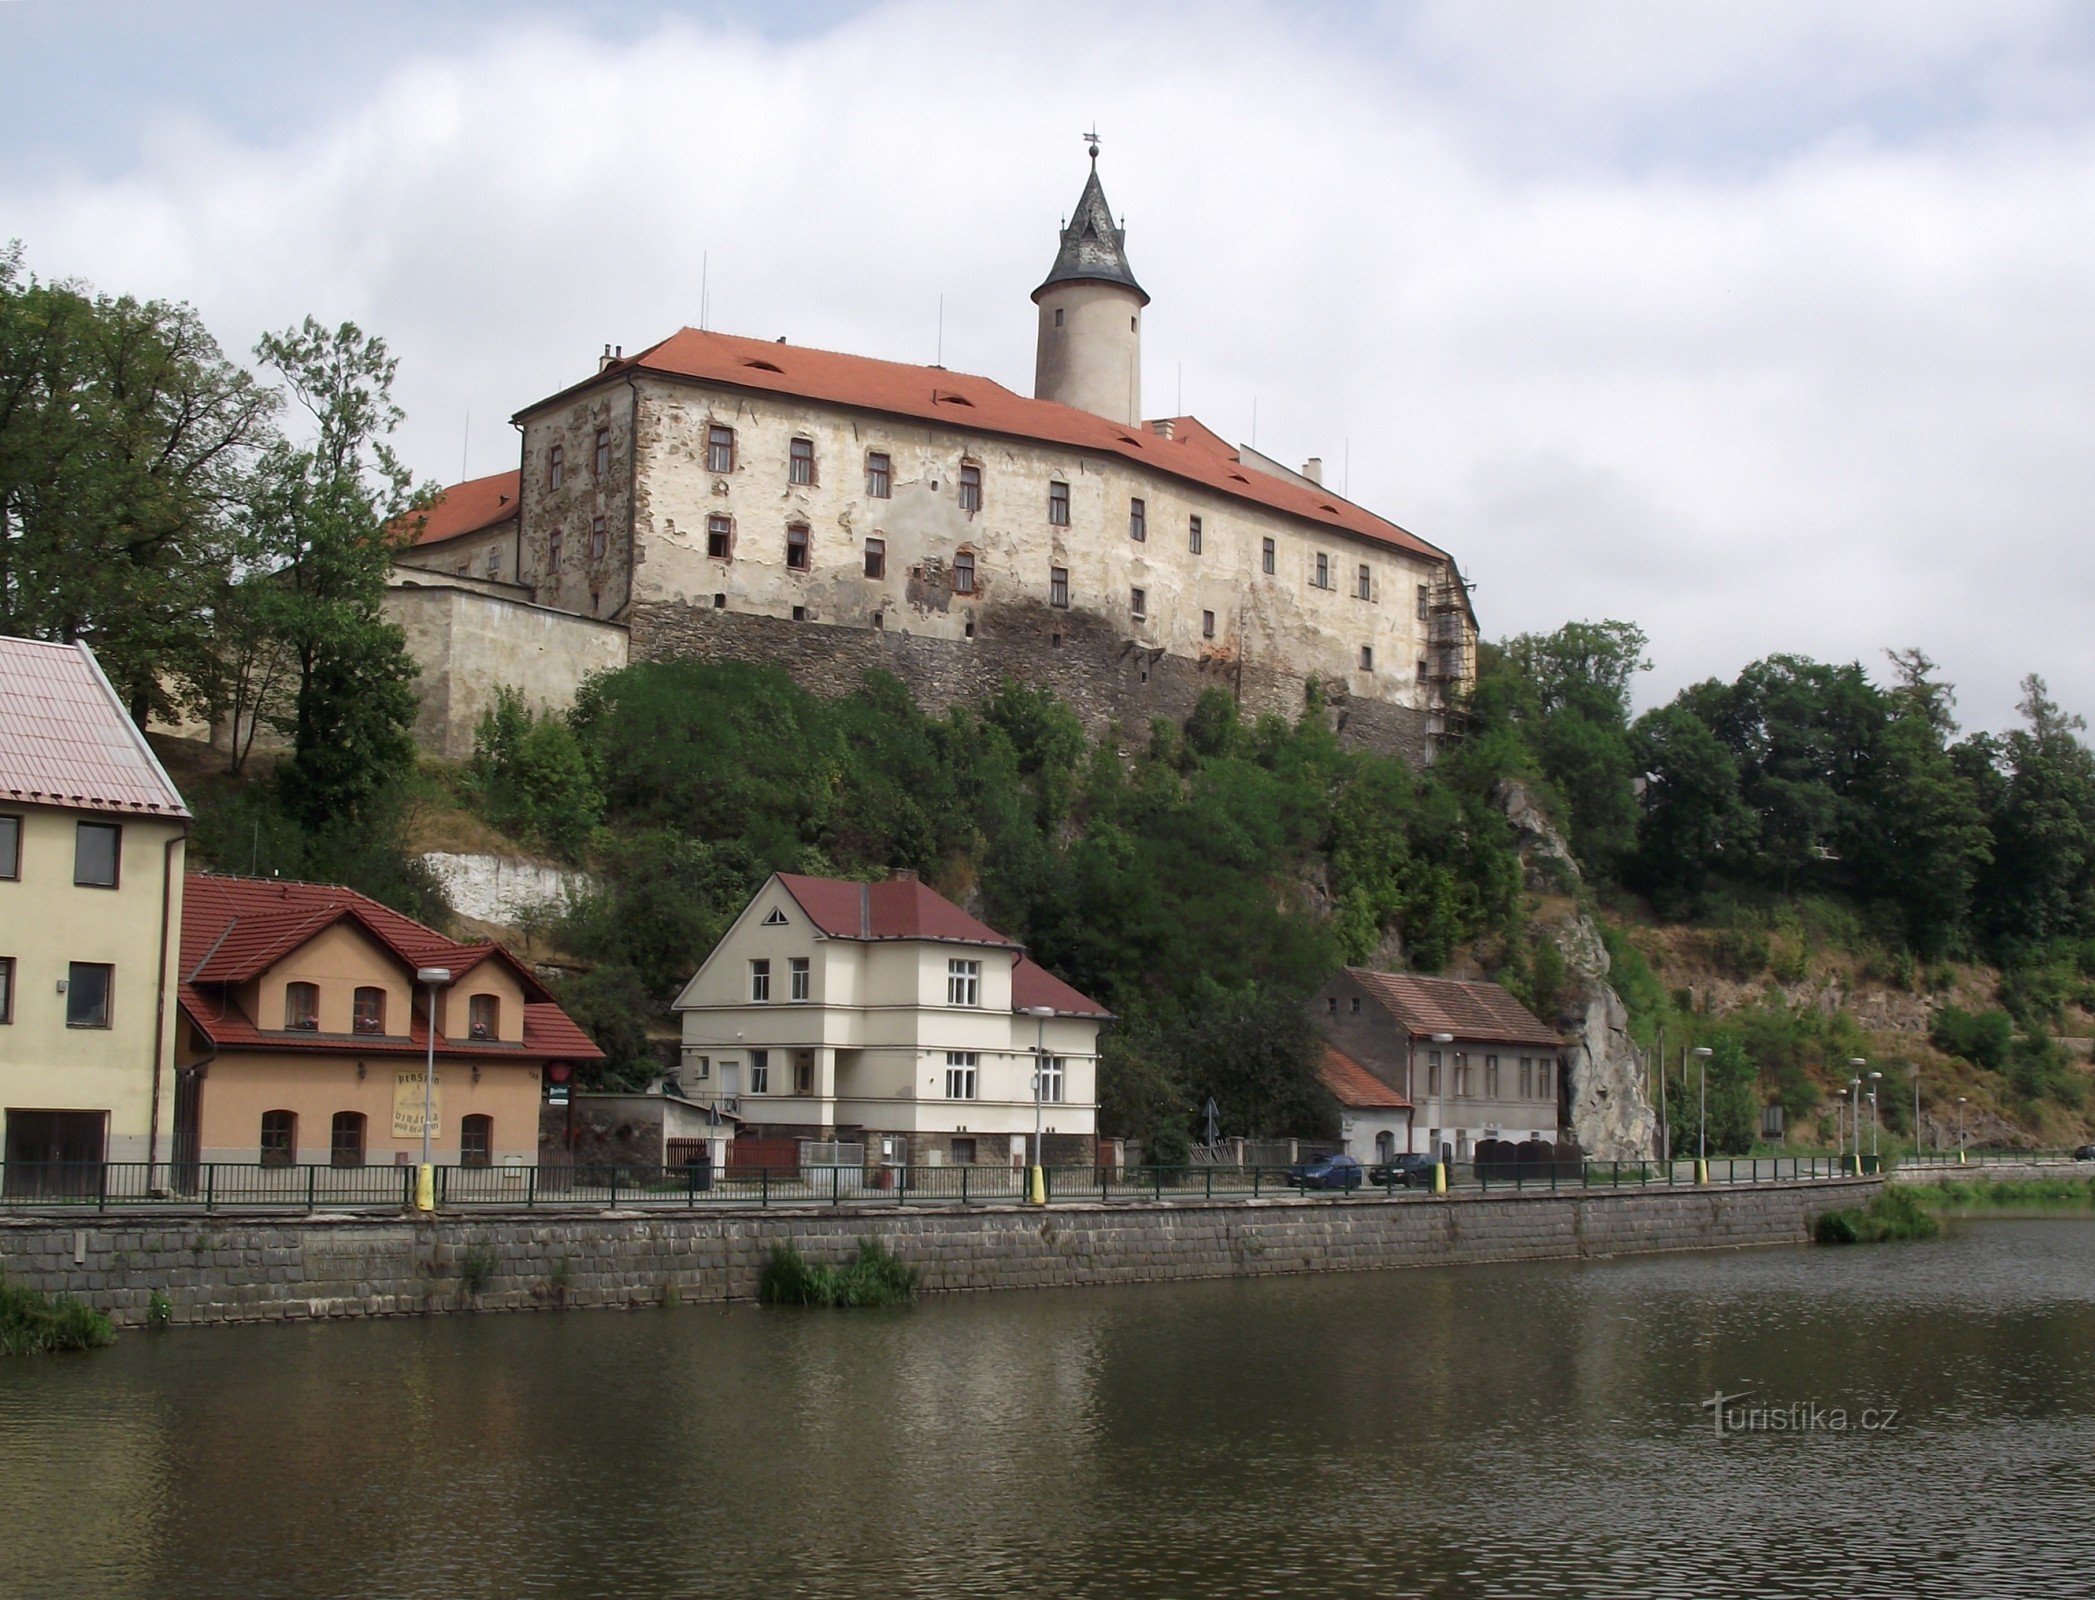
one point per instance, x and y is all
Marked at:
(302, 1006)
(484, 1016)
(368, 1015)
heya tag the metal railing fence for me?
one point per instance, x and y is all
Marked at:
(228, 1186)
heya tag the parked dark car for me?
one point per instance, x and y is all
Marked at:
(2085, 1153)
(1326, 1172)
(1410, 1171)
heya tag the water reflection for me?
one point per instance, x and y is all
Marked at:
(1527, 1430)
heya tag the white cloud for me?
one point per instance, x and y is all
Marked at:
(1765, 327)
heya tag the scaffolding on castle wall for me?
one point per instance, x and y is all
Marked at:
(1450, 643)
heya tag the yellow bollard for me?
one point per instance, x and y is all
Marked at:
(1701, 1170)
(1440, 1177)
(1036, 1187)
(425, 1187)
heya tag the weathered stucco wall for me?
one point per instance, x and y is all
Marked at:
(469, 644)
(218, 1269)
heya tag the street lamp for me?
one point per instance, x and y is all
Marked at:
(1440, 1167)
(1916, 1110)
(1855, 1106)
(1960, 1130)
(1702, 1055)
(1039, 1014)
(425, 1181)
(1876, 1116)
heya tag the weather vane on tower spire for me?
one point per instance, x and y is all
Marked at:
(1092, 138)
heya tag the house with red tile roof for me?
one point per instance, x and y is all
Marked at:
(305, 1032)
(723, 496)
(92, 841)
(1462, 1062)
(885, 1015)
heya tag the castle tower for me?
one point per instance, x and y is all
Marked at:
(1090, 352)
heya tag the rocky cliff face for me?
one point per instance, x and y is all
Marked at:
(1610, 1117)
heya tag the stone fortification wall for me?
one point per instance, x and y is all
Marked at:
(1105, 678)
(232, 1269)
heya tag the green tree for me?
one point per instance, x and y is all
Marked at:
(2040, 884)
(125, 437)
(320, 515)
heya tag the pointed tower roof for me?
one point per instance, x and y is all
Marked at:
(1093, 249)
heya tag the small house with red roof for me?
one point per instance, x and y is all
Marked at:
(1469, 1065)
(305, 1031)
(883, 1014)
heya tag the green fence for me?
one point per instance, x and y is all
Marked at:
(227, 1186)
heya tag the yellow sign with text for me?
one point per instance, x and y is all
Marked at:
(407, 1104)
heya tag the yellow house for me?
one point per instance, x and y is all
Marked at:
(92, 835)
(306, 1029)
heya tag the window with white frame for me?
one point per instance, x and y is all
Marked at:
(798, 977)
(1051, 1075)
(963, 983)
(1491, 1077)
(1527, 1077)
(760, 1072)
(962, 1070)
(760, 980)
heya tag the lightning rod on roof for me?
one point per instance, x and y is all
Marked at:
(705, 262)
(940, 359)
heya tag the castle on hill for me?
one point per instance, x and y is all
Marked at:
(717, 497)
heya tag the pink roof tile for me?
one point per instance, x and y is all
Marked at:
(1033, 985)
(961, 400)
(1351, 1084)
(469, 507)
(66, 740)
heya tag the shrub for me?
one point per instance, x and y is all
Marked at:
(1980, 1037)
(875, 1278)
(34, 1324)
(1896, 1213)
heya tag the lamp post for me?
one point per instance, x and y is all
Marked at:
(1440, 1167)
(1037, 1179)
(1702, 1055)
(1876, 1115)
(1855, 1065)
(1916, 1109)
(1960, 1130)
(425, 1180)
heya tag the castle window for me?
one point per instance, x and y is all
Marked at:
(1367, 658)
(1058, 587)
(554, 541)
(1265, 557)
(1058, 316)
(876, 558)
(797, 546)
(601, 462)
(800, 613)
(1131, 325)
(880, 475)
(1138, 521)
(1207, 624)
(1323, 578)
(494, 561)
(1058, 504)
(596, 602)
(970, 489)
(964, 572)
(1362, 582)
(599, 540)
(720, 538)
(879, 620)
(719, 602)
(720, 448)
(1422, 602)
(1193, 534)
(556, 466)
(1138, 603)
(800, 462)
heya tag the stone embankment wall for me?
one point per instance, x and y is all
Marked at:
(1994, 1172)
(248, 1269)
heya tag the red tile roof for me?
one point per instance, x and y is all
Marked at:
(469, 507)
(907, 908)
(66, 740)
(234, 929)
(1484, 1012)
(964, 401)
(1351, 1084)
(898, 908)
(1033, 985)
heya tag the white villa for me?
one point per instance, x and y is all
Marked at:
(883, 1014)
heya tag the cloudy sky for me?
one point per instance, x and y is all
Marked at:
(1768, 326)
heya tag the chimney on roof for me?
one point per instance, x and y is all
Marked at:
(1164, 427)
(1313, 469)
(902, 875)
(604, 360)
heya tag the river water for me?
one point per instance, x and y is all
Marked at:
(1484, 1431)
